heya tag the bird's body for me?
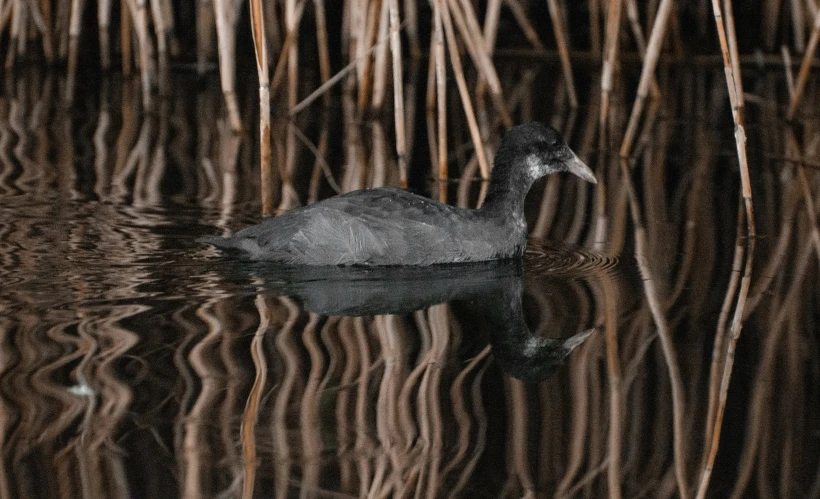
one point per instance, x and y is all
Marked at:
(382, 226)
(388, 226)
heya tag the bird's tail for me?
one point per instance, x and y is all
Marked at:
(224, 243)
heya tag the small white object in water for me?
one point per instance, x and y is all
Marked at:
(82, 390)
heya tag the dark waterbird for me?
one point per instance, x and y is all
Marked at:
(388, 226)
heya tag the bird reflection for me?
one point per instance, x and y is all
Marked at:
(488, 295)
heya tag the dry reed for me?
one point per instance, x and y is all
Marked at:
(265, 155)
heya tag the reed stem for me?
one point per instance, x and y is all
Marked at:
(226, 39)
(455, 61)
(805, 66)
(563, 50)
(653, 51)
(260, 44)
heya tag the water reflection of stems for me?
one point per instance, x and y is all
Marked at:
(655, 301)
(251, 414)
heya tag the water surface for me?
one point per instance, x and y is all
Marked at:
(137, 363)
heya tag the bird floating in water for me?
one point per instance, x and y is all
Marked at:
(387, 226)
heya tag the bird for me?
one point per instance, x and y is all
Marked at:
(394, 227)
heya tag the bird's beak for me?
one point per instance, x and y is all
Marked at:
(577, 167)
(574, 342)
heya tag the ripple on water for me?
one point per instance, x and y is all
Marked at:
(549, 258)
(63, 255)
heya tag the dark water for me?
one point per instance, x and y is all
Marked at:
(137, 363)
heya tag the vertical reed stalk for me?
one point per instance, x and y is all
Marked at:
(380, 64)
(735, 88)
(161, 29)
(410, 100)
(321, 41)
(74, 26)
(356, 22)
(293, 17)
(273, 30)
(260, 49)
(563, 50)
(226, 39)
(139, 15)
(6, 11)
(653, 51)
(455, 61)
(430, 101)
(735, 96)
(41, 18)
(805, 66)
(613, 28)
(484, 63)
(19, 26)
(204, 34)
(734, 57)
(736, 100)
(594, 26)
(281, 63)
(787, 65)
(61, 21)
(441, 98)
(634, 21)
(369, 27)
(104, 27)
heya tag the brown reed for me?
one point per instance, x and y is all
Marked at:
(653, 51)
(613, 28)
(265, 156)
(226, 15)
(805, 66)
(398, 91)
(455, 61)
(733, 82)
(558, 29)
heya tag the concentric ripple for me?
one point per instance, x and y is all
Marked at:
(542, 257)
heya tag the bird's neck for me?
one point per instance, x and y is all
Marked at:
(509, 184)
